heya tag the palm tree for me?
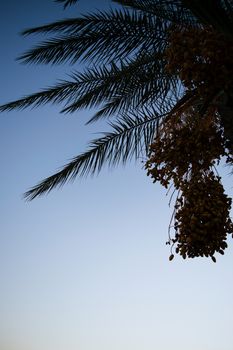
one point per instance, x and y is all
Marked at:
(146, 64)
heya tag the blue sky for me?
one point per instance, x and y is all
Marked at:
(86, 267)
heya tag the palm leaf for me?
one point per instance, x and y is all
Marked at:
(130, 136)
(100, 37)
(64, 90)
(140, 81)
(127, 86)
(172, 11)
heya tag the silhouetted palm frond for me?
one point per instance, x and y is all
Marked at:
(130, 136)
(127, 86)
(100, 37)
(172, 11)
(64, 90)
(117, 88)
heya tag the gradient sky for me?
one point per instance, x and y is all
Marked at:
(86, 267)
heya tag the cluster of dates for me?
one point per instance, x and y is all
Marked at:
(184, 153)
(202, 220)
(202, 58)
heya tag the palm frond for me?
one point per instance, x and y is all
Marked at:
(64, 90)
(172, 11)
(65, 26)
(140, 81)
(153, 92)
(67, 2)
(100, 37)
(130, 136)
(124, 86)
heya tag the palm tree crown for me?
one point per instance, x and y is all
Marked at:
(146, 63)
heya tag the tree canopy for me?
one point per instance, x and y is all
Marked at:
(160, 74)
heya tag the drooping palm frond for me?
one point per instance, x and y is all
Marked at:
(67, 2)
(130, 85)
(64, 90)
(163, 10)
(99, 37)
(138, 83)
(65, 26)
(130, 136)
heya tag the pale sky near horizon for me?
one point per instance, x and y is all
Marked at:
(86, 267)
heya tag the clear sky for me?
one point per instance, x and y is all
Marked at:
(86, 267)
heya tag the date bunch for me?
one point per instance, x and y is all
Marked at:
(184, 154)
